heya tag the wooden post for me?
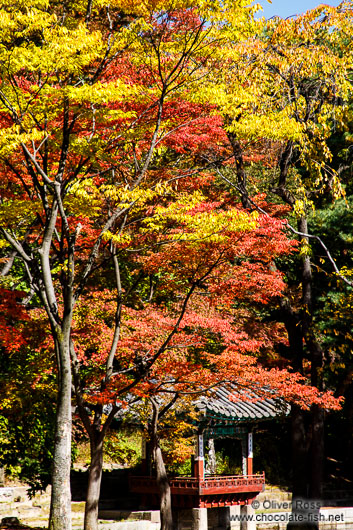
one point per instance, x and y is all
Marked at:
(250, 454)
(199, 464)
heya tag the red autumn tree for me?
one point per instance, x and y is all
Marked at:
(87, 103)
(176, 326)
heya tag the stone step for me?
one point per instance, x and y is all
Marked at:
(128, 525)
(28, 512)
(118, 515)
(77, 524)
(272, 493)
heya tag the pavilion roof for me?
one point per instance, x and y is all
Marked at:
(234, 406)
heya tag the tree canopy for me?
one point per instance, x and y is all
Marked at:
(136, 237)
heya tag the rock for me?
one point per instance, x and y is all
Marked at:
(10, 521)
(6, 494)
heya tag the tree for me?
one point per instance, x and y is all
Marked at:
(319, 99)
(162, 319)
(83, 98)
(298, 74)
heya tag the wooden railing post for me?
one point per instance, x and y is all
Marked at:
(249, 463)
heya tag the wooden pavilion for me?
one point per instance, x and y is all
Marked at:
(222, 416)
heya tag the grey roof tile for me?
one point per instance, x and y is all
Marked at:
(240, 406)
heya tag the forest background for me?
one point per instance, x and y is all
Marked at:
(175, 215)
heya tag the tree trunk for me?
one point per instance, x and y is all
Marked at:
(161, 473)
(60, 507)
(300, 487)
(304, 447)
(308, 437)
(94, 484)
(164, 491)
(240, 170)
(96, 430)
(317, 456)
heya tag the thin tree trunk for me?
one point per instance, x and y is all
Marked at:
(299, 453)
(317, 454)
(317, 416)
(94, 484)
(96, 432)
(307, 479)
(161, 473)
(308, 437)
(60, 507)
(164, 491)
(240, 170)
(8, 264)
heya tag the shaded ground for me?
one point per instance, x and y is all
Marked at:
(17, 526)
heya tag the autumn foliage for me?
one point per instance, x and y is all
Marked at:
(146, 262)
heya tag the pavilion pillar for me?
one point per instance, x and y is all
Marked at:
(199, 519)
(229, 518)
(247, 454)
(234, 517)
(249, 521)
(191, 518)
(199, 462)
(250, 454)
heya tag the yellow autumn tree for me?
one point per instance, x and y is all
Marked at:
(291, 84)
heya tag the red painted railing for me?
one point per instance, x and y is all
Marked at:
(202, 486)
